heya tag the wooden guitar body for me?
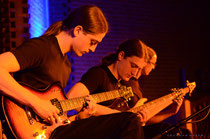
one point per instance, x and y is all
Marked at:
(22, 121)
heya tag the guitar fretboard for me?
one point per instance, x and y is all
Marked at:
(78, 102)
(159, 104)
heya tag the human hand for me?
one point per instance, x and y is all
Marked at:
(175, 106)
(143, 116)
(89, 110)
(46, 110)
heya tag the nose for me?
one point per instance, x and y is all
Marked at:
(134, 71)
(93, 48)
(153, 67)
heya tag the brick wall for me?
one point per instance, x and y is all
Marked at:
(177, 30)
(13, 24)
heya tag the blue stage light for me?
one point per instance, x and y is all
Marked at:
(39, 17)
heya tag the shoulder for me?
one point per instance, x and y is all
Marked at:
(42, 41)
(96, 71)
(34, 46)
(32, 51)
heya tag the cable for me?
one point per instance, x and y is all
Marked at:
(200, 119)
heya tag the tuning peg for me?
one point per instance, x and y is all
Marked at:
(174, 89)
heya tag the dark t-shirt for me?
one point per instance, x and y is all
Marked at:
(134, 83)
(100, 79)
(42, 63)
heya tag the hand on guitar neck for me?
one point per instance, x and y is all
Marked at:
(88, 110)
(175, 106)
(151, 111)
(144, 113)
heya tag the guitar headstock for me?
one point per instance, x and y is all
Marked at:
(191, 86)
(180, 93)
(126, 92)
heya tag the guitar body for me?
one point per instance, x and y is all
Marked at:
(120, 104)
(22, 121)
(140, 102)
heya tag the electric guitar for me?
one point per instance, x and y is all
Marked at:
(25, 124)
(157, 105)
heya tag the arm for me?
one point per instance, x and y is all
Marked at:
(171, 110)
(159, 117)
(11, 88)
(79, 89)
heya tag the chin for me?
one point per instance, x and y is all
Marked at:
(126, 79)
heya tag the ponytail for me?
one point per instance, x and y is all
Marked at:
(54, 29)
(109, 59)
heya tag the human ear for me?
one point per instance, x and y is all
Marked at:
(121, 55)
(77, 30)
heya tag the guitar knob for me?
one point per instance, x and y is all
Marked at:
(36, 134)
(44, 127)
(122, 104)
(66, 121)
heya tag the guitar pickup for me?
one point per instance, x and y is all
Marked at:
(28, 113)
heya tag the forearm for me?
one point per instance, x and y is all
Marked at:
(104, 110)
(79, 89)
(160, 117)
(100, 110)
(12, 88)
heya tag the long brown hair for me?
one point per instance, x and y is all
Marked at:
(150, 53)
(132, 47)
(90, 17)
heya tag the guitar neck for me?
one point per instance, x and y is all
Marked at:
(78, 102)
(106, 96)
(155, 106)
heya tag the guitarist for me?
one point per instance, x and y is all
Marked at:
(121, 68)
(130, 54)
(41, 61)
(155, 124)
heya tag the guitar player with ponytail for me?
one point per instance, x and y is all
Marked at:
(124, 68)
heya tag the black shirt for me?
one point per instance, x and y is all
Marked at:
(42, 63)
(100, 79)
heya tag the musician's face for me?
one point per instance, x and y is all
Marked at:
(129, 67)
(83, 42)
(150, 65)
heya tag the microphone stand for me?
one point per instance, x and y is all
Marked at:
(180, 123)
